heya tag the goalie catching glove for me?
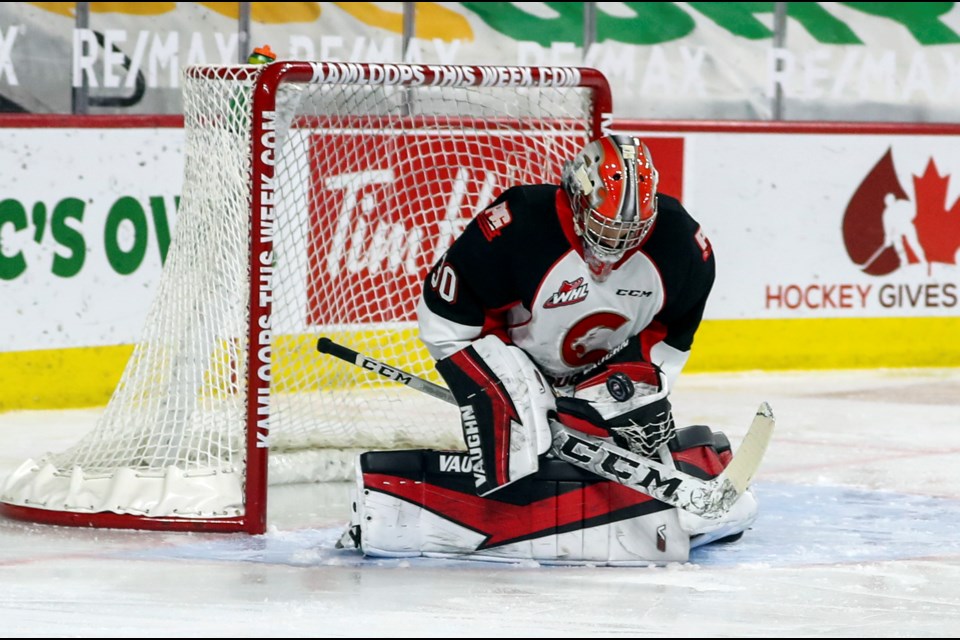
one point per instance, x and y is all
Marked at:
(626, 402)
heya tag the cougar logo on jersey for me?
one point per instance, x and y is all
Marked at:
(592, 340)
(492, 221)
(569, 293)
(455, 464)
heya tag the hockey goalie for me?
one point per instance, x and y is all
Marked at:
(508, 497)
(559, 318)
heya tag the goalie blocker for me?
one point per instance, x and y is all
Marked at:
(424, 503)
(505, 404)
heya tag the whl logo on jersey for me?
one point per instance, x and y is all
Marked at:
(569, 293)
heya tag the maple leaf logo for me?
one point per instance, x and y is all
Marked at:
(938, 228)
(883, 230)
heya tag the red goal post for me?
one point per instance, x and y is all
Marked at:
(316, 196)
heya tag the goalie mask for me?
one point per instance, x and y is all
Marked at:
(612, 186)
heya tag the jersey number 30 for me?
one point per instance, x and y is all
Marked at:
(444, 282)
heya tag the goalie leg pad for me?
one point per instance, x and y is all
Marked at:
(504, 402)
(423, 503)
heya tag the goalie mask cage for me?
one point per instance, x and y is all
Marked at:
(316, 197)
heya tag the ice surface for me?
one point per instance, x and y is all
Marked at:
(857, 537)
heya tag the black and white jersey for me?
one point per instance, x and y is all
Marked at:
(518, 271)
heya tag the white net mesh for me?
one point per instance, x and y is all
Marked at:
(371, 184)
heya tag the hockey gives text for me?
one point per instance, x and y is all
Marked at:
(928, 295)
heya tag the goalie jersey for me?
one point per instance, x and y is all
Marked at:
(518, 271)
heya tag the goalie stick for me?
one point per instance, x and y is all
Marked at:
(707, 498)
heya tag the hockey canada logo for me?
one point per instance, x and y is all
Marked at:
(569, 293)
(884, 231)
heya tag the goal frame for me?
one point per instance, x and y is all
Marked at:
(267, 80)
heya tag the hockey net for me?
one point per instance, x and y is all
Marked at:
(316, 197)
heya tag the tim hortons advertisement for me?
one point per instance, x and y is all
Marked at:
(827, 225)
(379, 221)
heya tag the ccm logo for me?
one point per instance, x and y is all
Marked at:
(592, 454)
(634, 293)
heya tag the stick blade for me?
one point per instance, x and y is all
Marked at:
(750, 454)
